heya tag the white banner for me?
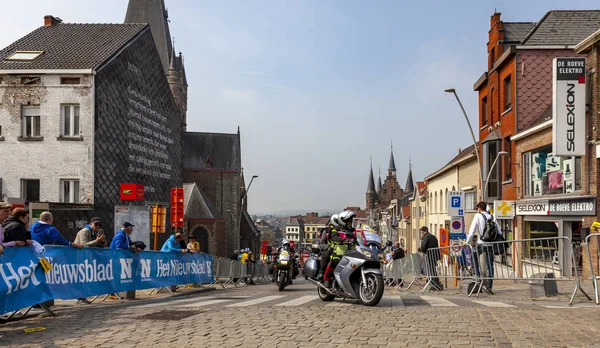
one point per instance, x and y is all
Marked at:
(568, 106)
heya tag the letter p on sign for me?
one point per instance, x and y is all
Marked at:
(455, 202)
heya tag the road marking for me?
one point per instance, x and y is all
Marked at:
(255, 301)
(438, 301)
(205, 303)
(397, 299)
(494, 304)
(171, 303)
(339, 304)
(561, 307)
(299, 301)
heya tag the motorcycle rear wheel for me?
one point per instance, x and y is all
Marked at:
(371, 293)
(324, 295)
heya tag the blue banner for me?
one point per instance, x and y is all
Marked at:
(89, 272)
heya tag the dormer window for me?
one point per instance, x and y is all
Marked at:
(25, 56)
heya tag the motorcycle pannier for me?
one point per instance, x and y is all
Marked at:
(311, 267)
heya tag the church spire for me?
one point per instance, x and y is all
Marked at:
(154, 13)
(379, 186)
(371, 183)
(410, 186)
(392, 166)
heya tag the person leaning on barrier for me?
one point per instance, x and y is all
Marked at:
(90, 236)
(429, 242)
(172, 244)
(122, 239)
(44, 233)
(14, 228)
(5, 209)
(478, 227)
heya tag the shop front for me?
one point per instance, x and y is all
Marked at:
(546, 222)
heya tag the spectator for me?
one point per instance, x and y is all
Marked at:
(193, 244)
(89, 236)
(430, 243)
(14, 228)
(235, 255)
(399, 252)
(122, 239)
(5, 209)
(172, 244)
(44, 233)
(483, 251)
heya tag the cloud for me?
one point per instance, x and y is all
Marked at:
(235, 95)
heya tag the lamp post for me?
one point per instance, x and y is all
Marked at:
(242, 207)
(453, 91)
(484, 191)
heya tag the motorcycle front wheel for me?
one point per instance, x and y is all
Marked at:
(370, 293)
(282, 281)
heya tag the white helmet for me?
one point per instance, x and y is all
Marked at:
(335, 221)
(285, 241)
(346, 217)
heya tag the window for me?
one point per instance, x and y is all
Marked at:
(446, 200)
(470, 197)
(484, 112)
(70, 80)
(69, 126)
(490, 150)
(30, 190)
(70, 191)
(24, 55)
(507, 93)
(31, 121)
(545, 174)
(30, 80)
(435, 204)
(507, 159)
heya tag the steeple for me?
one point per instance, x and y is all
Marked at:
(410, 186)
(392, 166)
(154, 13)
(379, 186)
(371, 183)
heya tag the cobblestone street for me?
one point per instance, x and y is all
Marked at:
(261, 316)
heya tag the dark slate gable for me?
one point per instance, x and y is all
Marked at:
(71, 46)
(564, 27)
(222, 149)
(514, 32)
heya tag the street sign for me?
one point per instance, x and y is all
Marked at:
(457, 236)
(456, 225)
(456, 201)
(444, 238)
(455, 249)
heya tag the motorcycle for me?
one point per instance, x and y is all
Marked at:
(357, 275)
(285, 270)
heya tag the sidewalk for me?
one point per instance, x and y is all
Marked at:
(519, 291)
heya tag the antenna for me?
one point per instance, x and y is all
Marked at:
(371, 161)
(409, 163)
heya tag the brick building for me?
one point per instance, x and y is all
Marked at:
(87, 117)
(522, 126)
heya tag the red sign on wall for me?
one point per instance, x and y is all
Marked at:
(177, 207)
(131, 192)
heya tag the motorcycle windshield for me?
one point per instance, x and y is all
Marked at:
(371, 237)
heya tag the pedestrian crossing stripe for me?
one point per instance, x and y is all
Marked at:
(438, 301)
(299, 301)
(255, 301)
(494, 304)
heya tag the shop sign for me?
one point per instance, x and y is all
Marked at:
(568, 107)
(131, 192)
(504, 210)
(532, 208)
(577, 207)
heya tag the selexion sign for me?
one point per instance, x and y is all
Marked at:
(537, 208)
(568, 106)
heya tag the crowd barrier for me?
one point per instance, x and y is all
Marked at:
(539, 259)
(592, 256)
(29, 278)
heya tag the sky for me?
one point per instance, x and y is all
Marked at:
(319, 87)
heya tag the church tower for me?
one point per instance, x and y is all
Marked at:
(371, 192)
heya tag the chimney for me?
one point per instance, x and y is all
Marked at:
(50, 21)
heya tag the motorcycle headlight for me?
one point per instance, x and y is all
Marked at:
(283, 262)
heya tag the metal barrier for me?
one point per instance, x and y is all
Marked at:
(533, 259)
(413, 267)
(594, 272)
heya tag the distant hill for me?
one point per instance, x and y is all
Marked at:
(291, 212)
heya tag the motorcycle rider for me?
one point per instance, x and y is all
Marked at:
(286, 245)
(347, 220)
(338, 241)
(326, 249)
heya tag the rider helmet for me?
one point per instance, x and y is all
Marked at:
(335, 221)
(346, 218)
(285, 242)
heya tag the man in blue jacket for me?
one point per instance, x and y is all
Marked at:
(172, 244)
(122, 239)
(44, 233)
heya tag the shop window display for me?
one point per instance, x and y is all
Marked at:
(546, 174)
(544, 249)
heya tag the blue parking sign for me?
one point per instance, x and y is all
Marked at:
(456, 202)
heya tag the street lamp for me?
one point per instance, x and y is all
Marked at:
(453, 91)
(242, 205)
(501, 153)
